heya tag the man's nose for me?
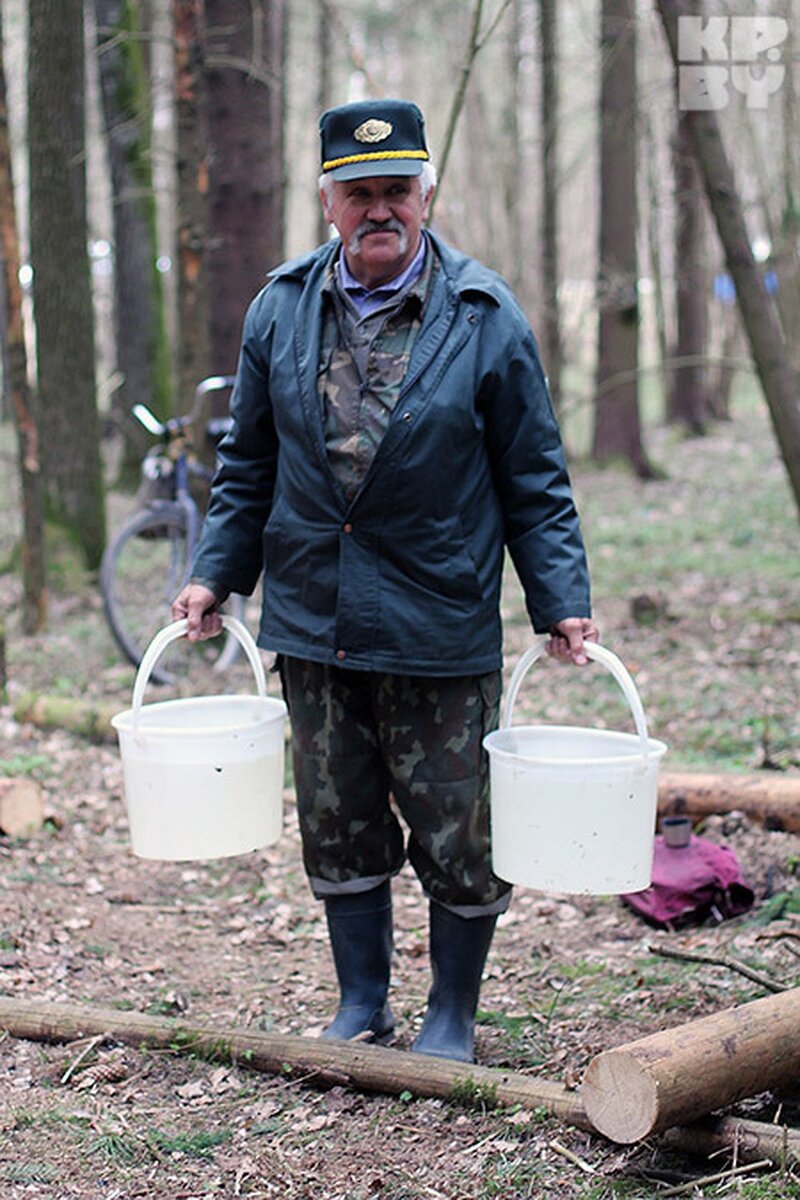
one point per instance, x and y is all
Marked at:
(379, 209)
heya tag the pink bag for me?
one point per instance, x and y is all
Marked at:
(692, 882)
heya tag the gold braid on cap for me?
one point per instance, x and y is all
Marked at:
(373, 157)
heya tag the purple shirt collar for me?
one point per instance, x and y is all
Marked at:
(368, 300)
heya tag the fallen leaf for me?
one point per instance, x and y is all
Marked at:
(192, 1090)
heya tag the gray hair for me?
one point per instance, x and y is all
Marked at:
(426, 177)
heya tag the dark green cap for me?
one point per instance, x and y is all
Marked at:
(373, 137)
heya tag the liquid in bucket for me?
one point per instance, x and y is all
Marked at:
(204, 776)
(573, 810)
(185, 810)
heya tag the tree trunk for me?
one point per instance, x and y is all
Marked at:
(617, 432)
(141, 341)
(759, 315)
(324, 89)
(787, 250)
(721, 383)
(678, 1074)
(244, 60)
(688, 398)
(15, 385)
(327, 1062)
(62, 297)
(655, 192)
(194, 353)
(553, 352)
(511, 160)
(770, 799)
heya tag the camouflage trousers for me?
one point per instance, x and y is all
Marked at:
(369, 745)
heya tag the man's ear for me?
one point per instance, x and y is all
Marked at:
(425, 200)
(326, 208)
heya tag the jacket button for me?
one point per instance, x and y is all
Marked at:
(348, 528)
(407, 416)
(340, 654)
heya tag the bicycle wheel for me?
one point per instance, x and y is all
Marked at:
(143, 569)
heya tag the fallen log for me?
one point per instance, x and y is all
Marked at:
(673, 1076)
(373, 1068)
(317, 1060)
(745, 1141)
(89, 719)
(770, 799)
(21, 807)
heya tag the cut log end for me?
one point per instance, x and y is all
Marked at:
(620, 1097)
(678, 1074)
(21, 807)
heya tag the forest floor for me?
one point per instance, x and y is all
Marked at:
(697, 589)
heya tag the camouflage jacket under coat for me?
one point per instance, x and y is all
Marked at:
(404, 577)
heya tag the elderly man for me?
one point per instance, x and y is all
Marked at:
(392, 434)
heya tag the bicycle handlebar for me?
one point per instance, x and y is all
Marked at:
(149, 420)
(213, 383)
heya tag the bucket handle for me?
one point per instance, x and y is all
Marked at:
(177, 630)
(599, 654)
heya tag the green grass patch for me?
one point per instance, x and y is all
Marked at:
(522, 1036)
(506, 1177)
(23, 764)
(782, 904)
(117, 1147)
(29, 1173)
(479, 1097)
(199, 1144)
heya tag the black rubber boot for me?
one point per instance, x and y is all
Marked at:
(458, 949)
(360, 928)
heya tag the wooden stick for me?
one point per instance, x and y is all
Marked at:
(731, 964)
(575, 1159)
(749, 1141)
(91, 1045)
(676, 1075)
(323, 1061)
(684, 1189)
(771, 799)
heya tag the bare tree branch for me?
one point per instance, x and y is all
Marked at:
(356, 56)
(474, 47)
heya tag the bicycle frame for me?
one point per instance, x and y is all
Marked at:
(175, 435)
(149, 559)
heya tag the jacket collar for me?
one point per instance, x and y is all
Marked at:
(463, 275)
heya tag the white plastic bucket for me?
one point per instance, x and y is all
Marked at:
(572, 809)
(203, 777)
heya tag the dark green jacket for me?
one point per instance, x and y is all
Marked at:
(406, 577)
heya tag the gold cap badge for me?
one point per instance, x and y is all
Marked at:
(372, 131)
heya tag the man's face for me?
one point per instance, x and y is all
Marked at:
(379, 221)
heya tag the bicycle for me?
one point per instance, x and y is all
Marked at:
(148, 560)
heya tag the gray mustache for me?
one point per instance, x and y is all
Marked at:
(367, 226)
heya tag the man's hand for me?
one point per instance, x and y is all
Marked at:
(567, 638)
(200, 607)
